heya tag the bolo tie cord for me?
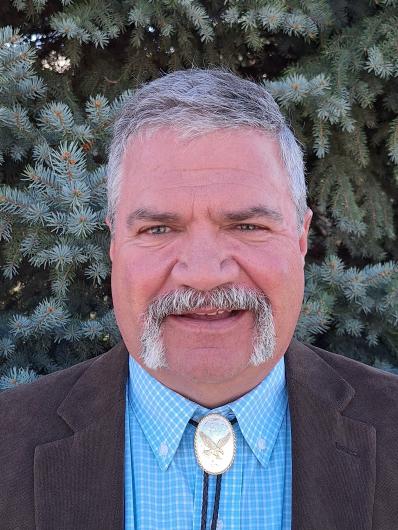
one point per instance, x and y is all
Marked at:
(205, 495)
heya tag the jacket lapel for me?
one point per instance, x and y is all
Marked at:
(79, 480)
(333, 456)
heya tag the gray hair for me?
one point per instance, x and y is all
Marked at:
(198, 101)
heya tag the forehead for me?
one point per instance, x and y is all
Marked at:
(227, 163)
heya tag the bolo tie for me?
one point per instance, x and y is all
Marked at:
(215, 448)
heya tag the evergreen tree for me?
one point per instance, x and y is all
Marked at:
(65, 69)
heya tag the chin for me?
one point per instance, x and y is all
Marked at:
(208, 365)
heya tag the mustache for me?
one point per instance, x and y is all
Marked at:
(231, 298)
(183, 300)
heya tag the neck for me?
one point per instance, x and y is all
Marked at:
(215, 393)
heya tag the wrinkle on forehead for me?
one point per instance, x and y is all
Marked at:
(197, 187)
(170, 171)
(201, 180)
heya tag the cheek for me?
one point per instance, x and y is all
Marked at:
(278, 272)
(137, 278)
(135, 281)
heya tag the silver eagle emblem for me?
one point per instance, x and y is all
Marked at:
(214, 448)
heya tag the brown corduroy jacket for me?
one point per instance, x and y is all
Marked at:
(62, 445)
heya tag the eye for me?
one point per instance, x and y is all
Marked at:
(155, 230)
(247, 227)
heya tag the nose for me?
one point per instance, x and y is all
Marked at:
(204, 263)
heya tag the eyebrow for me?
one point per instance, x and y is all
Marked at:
(147, 214)
(254, 212)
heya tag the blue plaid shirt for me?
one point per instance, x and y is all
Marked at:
(163, 482)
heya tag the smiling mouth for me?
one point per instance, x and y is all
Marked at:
(211, 315)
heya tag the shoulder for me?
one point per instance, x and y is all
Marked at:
(376, 390)
(357, 372)
(28, 417)
(46, 385)
(24, 407)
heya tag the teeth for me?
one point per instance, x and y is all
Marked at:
(218, 312)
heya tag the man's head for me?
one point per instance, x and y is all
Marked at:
(207, 209)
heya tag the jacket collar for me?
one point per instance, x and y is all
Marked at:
(79, 480)
(99, 389)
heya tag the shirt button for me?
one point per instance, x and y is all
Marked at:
(261, 444)
(220, 525)
(163, 449)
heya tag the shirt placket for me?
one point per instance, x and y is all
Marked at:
(230, 517)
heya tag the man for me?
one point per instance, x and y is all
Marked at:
(209, 225)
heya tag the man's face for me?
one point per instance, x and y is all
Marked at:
(203, 215)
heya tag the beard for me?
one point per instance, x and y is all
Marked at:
(179, 301)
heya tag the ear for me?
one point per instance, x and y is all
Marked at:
(111, 248)
(303, 241)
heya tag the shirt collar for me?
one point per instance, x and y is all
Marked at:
(261, 411)
(163, 414)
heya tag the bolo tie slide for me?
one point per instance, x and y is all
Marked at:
(215, 448)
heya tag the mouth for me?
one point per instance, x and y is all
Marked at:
(209, 321)
(215, 314)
